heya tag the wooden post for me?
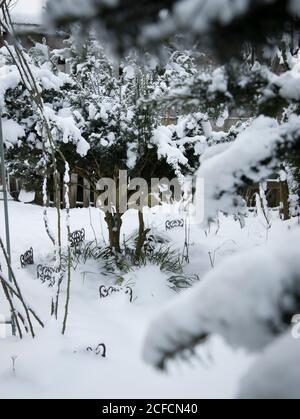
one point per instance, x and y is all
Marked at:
(284, 200)
(73, 190)
(86, 193)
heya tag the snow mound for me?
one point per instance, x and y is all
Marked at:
(149, 285)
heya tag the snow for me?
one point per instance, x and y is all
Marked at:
(276, 374)
(28, 11)
(9, 79)
(240, 313)
(219, 81)
(129, 72)
(198, 16)
(288, 83)
(44, 77)
(77, 8)
(222, 118)
(65, 124)
(92, 111)
(82, 147)
(241, 159)
(193, 129)
(55, 366)
(26, 197)
(150, 285)
(12, 131)
(9, 197)
(48, 79)
(162, 137)
(244, 299)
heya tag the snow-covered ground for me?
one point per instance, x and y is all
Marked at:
(57, 366)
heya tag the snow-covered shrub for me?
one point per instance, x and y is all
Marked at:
(120, 115)
(156, 252)
(182, 142)
(24, 128)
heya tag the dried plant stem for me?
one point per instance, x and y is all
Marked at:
(12, 308)
(17, 291)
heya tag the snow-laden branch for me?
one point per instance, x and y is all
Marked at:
(251, 158)
(248, 300)
(64, 129)
(62, 124)
(276, 374)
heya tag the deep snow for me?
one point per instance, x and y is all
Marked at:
(55, 366)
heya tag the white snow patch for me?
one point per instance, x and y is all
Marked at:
(26, 196)
(276, 374)
(242, 300)
(12, 131)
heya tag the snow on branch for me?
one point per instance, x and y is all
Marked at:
(9, 79)
(11, 76)
(248, 300)
(276, 374)
(251, 158)
(285, 85)
(64, 129)
(199, 15)
(74, 9)
(62, 123)
(12, 131)
(172, 141)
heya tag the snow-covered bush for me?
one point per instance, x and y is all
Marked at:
(157, 251)
(120, 115)
(27, 148)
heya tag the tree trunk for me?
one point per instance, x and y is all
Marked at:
(284, 198)
(114, 224)
(141, 237)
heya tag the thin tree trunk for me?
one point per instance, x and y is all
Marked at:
(114, 224)
(141, 236)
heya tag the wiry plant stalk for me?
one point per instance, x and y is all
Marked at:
(11, 305)
(17, 292)
(30, 84)
(66, 183)
(45, 204)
